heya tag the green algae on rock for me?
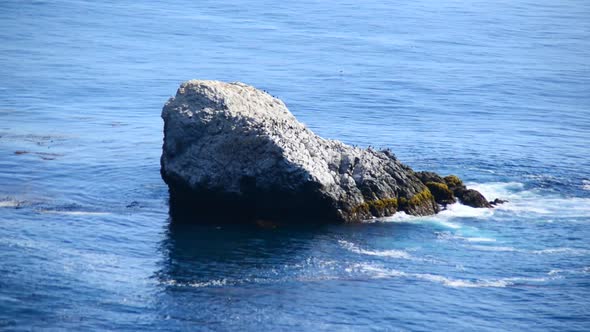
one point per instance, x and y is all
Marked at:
(453, 182)
(441, 192)
(450, 188)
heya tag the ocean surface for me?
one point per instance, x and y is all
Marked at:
(496, 92)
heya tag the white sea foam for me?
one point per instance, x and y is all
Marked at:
(463, 211)
(546, 251)
(573, 251)
(446, 218)
(494, 248)
(451, 236)
(392, 253)
(450, 282)
(531, 205)
(378, 272)
(479, 239)
(447, 224)
(441, 219)
(452, 211)
(527, 202)
(75, 213)
(9, 203)
(584, 270)
(401, 217)
(195, 284)
(519, 199)
(502, 190)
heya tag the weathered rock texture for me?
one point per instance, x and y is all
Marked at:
(231, 150)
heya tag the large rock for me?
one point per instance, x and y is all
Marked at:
(231, 150)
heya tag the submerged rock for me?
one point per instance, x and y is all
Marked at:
(233, 151)
(498, 201)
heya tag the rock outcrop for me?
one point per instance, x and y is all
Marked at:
(437, 186)
(233, 151)
(450, 188)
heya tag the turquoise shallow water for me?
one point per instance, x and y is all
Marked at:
(496, 92)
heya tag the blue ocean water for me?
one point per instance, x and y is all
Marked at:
(497, 92)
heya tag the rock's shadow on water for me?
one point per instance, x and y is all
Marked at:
(202, 251)
(199, 253)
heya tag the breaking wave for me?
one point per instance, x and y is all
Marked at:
(522, 201)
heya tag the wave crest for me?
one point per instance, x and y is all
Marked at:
(391, 253)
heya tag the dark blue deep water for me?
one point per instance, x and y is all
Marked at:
(497, 92)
